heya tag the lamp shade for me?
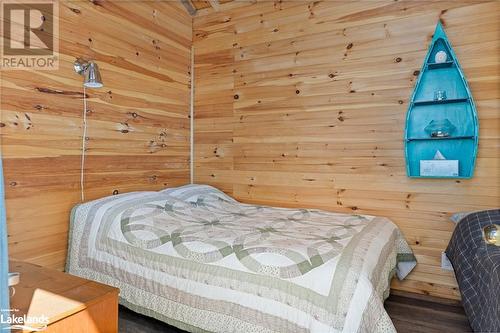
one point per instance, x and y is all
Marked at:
(92, 76)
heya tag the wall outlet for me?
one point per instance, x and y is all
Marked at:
(445, 262)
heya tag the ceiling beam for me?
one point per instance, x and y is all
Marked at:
(189, 7)
(215, 4)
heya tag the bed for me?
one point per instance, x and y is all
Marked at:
(477, 268)
(197, 259)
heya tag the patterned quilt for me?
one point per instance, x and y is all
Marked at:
(199, 260)
(477, 267)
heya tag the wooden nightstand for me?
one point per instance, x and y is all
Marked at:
(72, 304)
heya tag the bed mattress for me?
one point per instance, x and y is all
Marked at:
(199, 260)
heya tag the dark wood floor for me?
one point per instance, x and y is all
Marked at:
(426, 315)
(409, 315)
(131, 322)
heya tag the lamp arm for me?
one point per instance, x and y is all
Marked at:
(80, 66)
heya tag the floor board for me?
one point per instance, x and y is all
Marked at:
(409, 315)
(131, 322)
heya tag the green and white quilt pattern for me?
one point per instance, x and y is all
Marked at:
(197, 259)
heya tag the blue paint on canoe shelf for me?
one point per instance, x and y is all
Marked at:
(458, 108)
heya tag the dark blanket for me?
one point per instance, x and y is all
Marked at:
(477, 268)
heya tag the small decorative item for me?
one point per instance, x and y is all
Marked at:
(13, 280)
(440, 57)
(439, 166)
(440, 128)
(490, 234)
(440, 95)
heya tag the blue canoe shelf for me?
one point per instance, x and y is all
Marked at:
(455, 112)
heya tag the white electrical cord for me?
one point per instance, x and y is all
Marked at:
(84, 142)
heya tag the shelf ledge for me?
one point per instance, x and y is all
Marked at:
(465, 137)
(442, 177)
(435, 65)
(444, 101)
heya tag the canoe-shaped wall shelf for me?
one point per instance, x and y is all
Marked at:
(441, 132)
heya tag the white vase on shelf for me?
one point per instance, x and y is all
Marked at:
(440, 57)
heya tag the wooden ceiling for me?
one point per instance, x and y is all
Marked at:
(193, 6)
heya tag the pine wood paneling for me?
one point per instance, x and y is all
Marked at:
(303, 104)
(138, 123)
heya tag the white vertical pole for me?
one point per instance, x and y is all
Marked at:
(191, 120)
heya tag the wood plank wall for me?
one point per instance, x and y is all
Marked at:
(303, 104)
(138, 123)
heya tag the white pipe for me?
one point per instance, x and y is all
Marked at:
(191, 121)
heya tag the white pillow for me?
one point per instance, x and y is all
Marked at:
(193, 192)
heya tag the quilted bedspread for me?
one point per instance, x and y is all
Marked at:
(198, 259)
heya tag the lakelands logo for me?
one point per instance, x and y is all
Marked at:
(24, 322)
(30, 31)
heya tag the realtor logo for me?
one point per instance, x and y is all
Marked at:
(30, 32)
(10, 319)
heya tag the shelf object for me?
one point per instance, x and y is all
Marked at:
(458, 108)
